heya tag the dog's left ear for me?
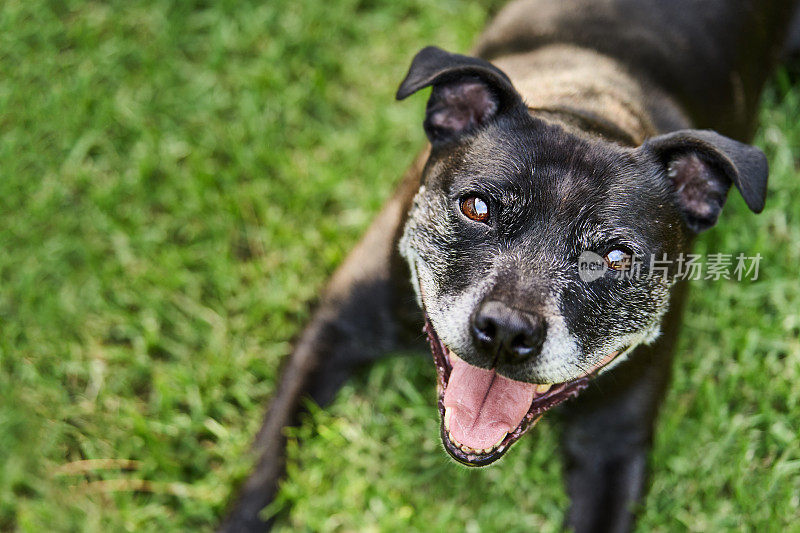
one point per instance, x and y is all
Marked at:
(702, 165)
(467, 92)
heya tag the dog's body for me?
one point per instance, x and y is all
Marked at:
(583, 146)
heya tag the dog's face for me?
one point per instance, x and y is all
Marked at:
(508, 210)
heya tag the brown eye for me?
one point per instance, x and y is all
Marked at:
(475, 209)
(619, 259)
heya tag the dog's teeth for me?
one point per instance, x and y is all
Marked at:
(541, 389)
(499, 442)
(463, 447)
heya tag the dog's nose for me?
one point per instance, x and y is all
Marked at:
(511, 335)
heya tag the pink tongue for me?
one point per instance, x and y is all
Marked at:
(483, 405)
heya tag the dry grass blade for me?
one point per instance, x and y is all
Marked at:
(91, 465)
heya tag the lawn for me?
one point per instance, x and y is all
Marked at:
(178, 179)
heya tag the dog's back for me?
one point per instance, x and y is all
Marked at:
(712, 56)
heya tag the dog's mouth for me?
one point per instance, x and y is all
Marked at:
(484, 413)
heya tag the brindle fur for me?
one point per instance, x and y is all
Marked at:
(599, 78)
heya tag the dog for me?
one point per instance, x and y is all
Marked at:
(612, 128)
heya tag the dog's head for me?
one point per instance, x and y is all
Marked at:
(531, 248)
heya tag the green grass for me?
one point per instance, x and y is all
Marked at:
(178, 179)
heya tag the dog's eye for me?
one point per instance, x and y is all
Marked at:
(475, 209)
(619, 259)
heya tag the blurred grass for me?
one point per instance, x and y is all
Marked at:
(177, 180)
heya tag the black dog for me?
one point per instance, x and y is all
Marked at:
(575, 140)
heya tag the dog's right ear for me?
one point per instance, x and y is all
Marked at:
(467, 92)
(702, 165)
